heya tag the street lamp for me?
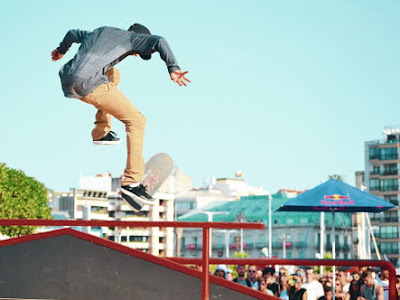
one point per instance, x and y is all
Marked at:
(227, 233)
(210, 215)
(283, 239)
(269, 226)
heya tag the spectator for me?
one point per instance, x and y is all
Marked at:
(370, 290)
(252, 276)
(241, 279)
(229, 274)
(328, 293)
(356, 276)
(221, 271)
(296, 291)
(314, 288)
(269, 275)
(342, 277)
(323, 280)
(339, 290)
(262, 286)
(283, 282)
(354, 291)
(383, 280)
(259, 272)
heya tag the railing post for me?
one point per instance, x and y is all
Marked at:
(205, 284)
(392, 282)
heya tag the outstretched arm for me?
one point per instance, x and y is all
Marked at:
(166, 54)
(72, 36)
(178, 77)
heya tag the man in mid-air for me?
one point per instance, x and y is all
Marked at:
(91, 77)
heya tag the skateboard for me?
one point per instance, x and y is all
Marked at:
(157, 170)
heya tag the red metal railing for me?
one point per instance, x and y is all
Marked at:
(205, 261)
(205, 225)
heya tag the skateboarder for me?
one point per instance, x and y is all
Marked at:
(91, 77)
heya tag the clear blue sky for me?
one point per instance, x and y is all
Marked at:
(285, 91)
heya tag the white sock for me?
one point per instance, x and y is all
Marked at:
(134, 184)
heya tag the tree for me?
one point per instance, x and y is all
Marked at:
(21, 197)
(336, 176)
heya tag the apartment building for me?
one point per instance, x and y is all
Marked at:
(381, 178)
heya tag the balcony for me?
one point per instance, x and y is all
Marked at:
(388, 156)
(390, 172)
(386, 188)
(393, 235)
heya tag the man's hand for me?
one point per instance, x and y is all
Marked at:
(55, 55)
(178, 76)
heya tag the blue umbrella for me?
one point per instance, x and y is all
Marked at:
(336, 196)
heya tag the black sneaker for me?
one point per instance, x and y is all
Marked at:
(136, 197)
(111, 138)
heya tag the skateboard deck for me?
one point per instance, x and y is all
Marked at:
(157, 170)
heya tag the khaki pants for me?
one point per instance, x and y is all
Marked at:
(111, 102)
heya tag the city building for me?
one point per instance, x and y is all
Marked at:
(381, 178)
(223, 189)
(294, 235)
(97, 198)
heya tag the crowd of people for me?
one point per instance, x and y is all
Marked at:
(307, 284)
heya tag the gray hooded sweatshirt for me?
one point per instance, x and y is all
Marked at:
(102, 49)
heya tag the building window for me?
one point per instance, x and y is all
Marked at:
(390, 216)
(389, 184)
(219, 241)
(186, 205)
(388, 153)
(390, 169)
(375, 170)
(303, 220)
(374, 153)
(389, 248)
(374, 184)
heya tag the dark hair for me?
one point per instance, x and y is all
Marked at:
(139, 28)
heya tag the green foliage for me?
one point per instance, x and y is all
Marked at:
(239, 254)
(328, 255)
(336, 176)
(21, 197)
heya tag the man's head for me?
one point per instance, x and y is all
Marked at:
(384, 274)
(252, 273)
(139, 28)
(368, 278)
(342, 277)
(241, 270)
(309, 275)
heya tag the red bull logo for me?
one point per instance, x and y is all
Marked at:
(337, 199)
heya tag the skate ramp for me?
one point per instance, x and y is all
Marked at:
(68, 264)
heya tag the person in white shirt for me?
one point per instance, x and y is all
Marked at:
(314, 287)
(383, 280)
